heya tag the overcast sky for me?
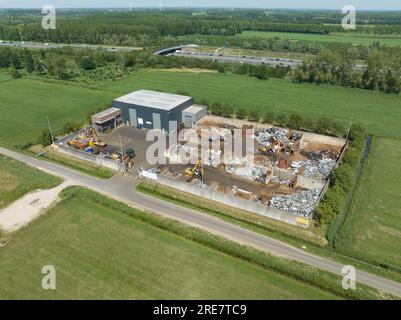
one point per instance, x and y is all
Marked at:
(325, 4)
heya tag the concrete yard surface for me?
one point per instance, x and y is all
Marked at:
(28, 208)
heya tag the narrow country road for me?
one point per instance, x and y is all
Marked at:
(121, 188)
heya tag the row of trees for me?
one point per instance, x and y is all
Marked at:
(342, 180)
(382, 71)
(293, 120)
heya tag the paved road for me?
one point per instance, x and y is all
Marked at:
(271, 62)
(121, 188)
(38, 45)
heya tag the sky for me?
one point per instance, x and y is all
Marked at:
(296, 4)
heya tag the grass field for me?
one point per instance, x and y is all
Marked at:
(335, 37)
(25, 104)
(17, 179)
(373, 229)
(378, 112)
(100, 252)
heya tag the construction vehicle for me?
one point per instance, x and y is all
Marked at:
(96, 140)
(196, 171)
(127, 157)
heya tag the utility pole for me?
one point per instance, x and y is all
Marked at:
(50, 129)
(121, 146)
(350, 125)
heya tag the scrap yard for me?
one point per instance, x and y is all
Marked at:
(289, 171)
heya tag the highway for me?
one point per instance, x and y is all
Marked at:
(122, 188)
(268, 61)
(38, 45)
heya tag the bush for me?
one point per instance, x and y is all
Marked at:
(70, 127)
(241, 114)
(295, 121)
(46, 138)
(268, 117)
(227, 111)
(216, 109)
(254, 115)
(281, 120)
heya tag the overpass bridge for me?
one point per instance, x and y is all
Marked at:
(166, 51)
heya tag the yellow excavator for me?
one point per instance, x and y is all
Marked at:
(97, 141)
(197, 170)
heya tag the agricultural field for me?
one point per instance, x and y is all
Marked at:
(18, 179)
(356, 39)
(104, 253)
(25, 104)
(24, 111)
(373, 228)
(276, 95)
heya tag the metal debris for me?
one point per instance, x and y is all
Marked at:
(302, 203)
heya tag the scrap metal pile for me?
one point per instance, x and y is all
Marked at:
(318, 166)
(302, 203)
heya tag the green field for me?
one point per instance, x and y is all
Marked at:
(378, 112)
(26, 103)
(373, 229)
(100, 252)
(17, 179)
(355, 39)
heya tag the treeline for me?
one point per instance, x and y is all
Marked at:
(68, 62)
(294, 120)
(382, 71)
(149, 29)
(341, 183)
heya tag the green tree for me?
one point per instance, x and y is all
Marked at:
(15, 74)
(268, 117)
(87, 63)
(240, 114)
(46, 138)
(254, 115)
(29, 62)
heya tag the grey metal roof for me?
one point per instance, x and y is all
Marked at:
(194, 109)
(154, 99)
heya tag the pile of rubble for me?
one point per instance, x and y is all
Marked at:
(254, 173)
(264, 137)
(282, 181)
(302, 203)
(318, 166)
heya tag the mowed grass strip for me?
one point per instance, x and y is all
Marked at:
(356, 39)
(373, 228)
(25, 104)
(378, 112)
(18, 179)
(101, 253)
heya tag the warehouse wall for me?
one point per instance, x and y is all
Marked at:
(147, 113)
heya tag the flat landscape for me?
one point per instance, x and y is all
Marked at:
(373, 229)
(379, 113)
(25, 104)
(17, 179)
(356, 39)
(100, 252)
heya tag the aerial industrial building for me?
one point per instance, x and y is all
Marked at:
(154, 110)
